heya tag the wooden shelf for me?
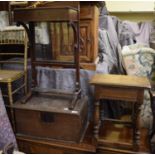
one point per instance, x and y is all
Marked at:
(117, 138)
(115, 133)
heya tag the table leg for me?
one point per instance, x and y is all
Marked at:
(96, 119)
(136, 123)
(136, 130)
(10, 94)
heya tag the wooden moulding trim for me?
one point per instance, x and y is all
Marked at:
(80, 147)
(112, 150)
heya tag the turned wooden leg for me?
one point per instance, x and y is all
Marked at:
(96, 119)
(26, 83)
(136, 123)
(136, 128)
(10, 94)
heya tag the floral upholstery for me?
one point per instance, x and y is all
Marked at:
(139, 60)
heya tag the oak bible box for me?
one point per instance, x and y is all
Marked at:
(48, 116)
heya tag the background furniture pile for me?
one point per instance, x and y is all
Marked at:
(68, 35)
(61, 117)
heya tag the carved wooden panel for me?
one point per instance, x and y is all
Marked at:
(62, 41)
(85, 41)
(62, 37)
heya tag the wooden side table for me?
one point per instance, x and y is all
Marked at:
(124, 88)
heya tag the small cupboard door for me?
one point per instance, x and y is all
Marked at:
(86, 41)
(62, 37)
(63, 41)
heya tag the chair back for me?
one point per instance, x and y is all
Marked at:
(13, 45)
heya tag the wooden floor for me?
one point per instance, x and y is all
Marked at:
(116, 133)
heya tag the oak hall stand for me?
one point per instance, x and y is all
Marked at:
(89, 21)
(123, 88)
(52, 14)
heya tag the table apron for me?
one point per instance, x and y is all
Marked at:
(116, 93)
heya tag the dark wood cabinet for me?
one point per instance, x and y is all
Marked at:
(4, 5)
(62, 46)
(89, 17)
(62, 34)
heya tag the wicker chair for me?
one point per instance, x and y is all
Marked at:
(13, 36)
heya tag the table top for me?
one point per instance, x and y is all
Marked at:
(45, 14)
(120, 81)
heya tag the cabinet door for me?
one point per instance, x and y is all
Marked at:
(63, 41)
(85, 40)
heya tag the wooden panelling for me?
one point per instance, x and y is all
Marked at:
(41, 14)
(86, 12)
(4, 5)
(52, 119)
(116, 93)
(34, 145)
(62, 46)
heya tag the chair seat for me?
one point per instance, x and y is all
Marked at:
(10, 75)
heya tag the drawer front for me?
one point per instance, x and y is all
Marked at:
(86, 12)
(113, 93)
